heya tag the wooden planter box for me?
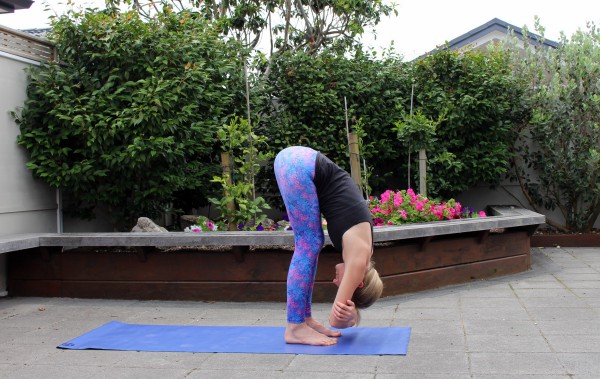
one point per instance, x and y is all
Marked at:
(566, 240)
(410, 258)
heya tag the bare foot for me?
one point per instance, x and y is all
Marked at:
(305, 335)
(322, 328)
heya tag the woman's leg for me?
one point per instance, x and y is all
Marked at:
(294, 169)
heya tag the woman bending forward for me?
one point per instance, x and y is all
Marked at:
(311, 184)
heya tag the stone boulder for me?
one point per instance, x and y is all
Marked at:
(144, 224)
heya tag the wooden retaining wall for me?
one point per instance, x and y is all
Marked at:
(259, 275)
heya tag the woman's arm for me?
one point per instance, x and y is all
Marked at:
(356, 253)
(343, 312)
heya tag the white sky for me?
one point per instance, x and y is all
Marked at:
(420, 26)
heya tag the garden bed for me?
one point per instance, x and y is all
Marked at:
(553, 239)
(244, 267)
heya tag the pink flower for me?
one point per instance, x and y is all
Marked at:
(481, 214)
(419, 205)
(380, 221)
(403, 214)
(195, 229)
(398, 200)
(385, 197)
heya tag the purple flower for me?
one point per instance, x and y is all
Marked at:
(260, 228)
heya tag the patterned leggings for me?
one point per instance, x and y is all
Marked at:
(295, 171)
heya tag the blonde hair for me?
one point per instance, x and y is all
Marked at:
(370, 292)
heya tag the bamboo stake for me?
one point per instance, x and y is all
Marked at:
(226, 167)
(423, 172)
(354, 159)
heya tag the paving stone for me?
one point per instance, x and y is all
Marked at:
(571, 314)
(449, 363)
(550, 302)
(507, 343)
(428, 313)
(515, 363)
(74, 371)
(235, 374)
(501, 327)
(575, 344)
(501, 313)
(581, 364)
(248, 361)
(543, 292)
(323, 375)
(431, 326)
(427, 342)
(583, 284)
(340, 364)
(425, 376)
(568, 327)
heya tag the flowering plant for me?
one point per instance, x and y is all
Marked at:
(264, 226)
(203, 224)
(404, 207)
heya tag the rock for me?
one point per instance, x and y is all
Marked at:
(144, 224)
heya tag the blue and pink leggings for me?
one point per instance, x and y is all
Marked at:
(295, 172)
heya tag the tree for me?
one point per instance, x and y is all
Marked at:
(560, 138)
(478, 101)
(417, 133)
(304, 105)
(127, 118)
(292, 24)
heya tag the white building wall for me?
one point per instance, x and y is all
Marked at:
(26, 204)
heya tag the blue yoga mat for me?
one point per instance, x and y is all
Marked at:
(235, 339)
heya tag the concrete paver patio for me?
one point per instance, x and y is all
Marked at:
(544, 323)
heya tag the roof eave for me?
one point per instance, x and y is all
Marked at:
(9, 6)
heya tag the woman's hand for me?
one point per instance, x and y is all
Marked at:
(343, 315)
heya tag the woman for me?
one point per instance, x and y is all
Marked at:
(311, 184)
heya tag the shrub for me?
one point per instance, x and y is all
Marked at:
(127, 118)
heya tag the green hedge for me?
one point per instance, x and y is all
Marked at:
(127, 119)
